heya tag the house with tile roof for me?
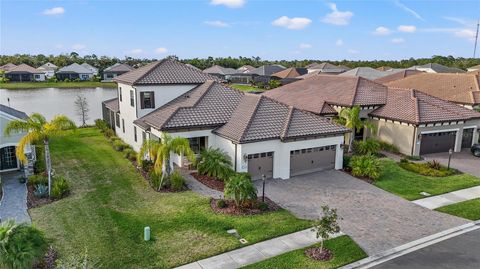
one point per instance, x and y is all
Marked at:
(74, 71)
(262, 136)
(115, 70)
(93, 69)
(24, 72)
(474, 68)
(416, 122)
(7, 67)
(221, 72)
(326, 68)
(368, 73)
(48, 69)
(398, 75)
(437, 68)
(289, 75)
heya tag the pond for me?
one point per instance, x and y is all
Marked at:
(53, 101)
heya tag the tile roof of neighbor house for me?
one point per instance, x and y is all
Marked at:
(383, 68)
(7, 67)
(327, 67)
(216, 69)
(118, 67)
(291, 72)
(13, 112)
(112, 104)
(438, 68)
(475, 72)
(48, 66)
(268, 70)
(207, 105)
(90, 67)
(259, 118)
(166, 71)
(415, 107)
(193, 66)
(367, 72)
(457, 88)
(474, 68)
(23, 68)
(74, 68)
(398, 75)
(245, 68)
(313, 93)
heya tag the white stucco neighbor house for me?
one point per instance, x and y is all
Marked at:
(8, 144)
(262, 136)
(48, 69)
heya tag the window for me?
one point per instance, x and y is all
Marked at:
(120, 93)
(197, 144)
(123, 125)
(132, 99)
(135, 133)
(109, 75)
(147, 100)
(144, 136)
(84, 77)
(37, 76)
(117, 120)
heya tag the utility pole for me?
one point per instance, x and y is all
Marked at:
(476, 39)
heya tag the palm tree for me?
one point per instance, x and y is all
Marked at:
(350, 118)
(37, 128)
(159, 153)
(215, 163)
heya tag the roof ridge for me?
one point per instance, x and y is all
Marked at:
(415, 100)
(149, 71)
(250, 116)
(357, 82)
(441, 107)
(286, 124)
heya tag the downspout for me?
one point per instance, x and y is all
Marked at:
(235, 165)
(415, 130)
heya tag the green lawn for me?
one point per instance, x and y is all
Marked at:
(37, 85)
(344, 250)
(245, 88)
(469, 209)
(111, 203)
(409, 185)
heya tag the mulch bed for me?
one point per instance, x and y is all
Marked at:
(33, 201)
(210, 182)
(231, 209)
(49, 260)
(316, 254)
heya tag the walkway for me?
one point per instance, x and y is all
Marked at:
(198, 187)
(257, 252)
(14, 201)
(449, 198)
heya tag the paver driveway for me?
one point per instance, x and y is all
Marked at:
(374, 218)
(463, 161)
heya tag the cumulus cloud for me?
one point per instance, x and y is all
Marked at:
(397, 40)
(161, 50)
(407, 28)
(381, 30)
(465, 33)
(305, 46)
(339, 42)
(54, 11)
(228, 3)
(220, 24)
(292, 23)
(337, 17)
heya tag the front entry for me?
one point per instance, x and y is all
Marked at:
(8, 159)
(437, 142)
(467, 138)
(312, 160)
(260, 164)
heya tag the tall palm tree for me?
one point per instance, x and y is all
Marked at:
(37, 128)
(350, 118)
(159, 153)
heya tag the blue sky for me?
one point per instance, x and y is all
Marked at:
(308, 29)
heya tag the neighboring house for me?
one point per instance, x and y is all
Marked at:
(262, 136)
(7, 67)
(245, 69)
(48, 69)
(326, 68)
(415, 122)
(220, 72)
(93, 69)
(8, 144)
(24, 72)
(384, 68)
(368, 73)
(398, 75)
(462, 89)
(289, 75)
(437, 68)
(263, 73)
(474, 68)
(74, 71)
(115, 70)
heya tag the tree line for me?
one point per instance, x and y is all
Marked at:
(103, 62)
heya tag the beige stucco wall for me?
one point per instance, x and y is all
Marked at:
(400, 135)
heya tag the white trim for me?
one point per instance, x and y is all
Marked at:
(470, 127)
(440, 131)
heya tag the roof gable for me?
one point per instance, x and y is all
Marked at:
(118, 67)
(23, 68)
(74, 68)
(13, 112)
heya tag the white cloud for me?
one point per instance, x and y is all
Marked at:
(220, 24)
(228, 3)
(409, 10)
(381, 30)
(136, 51)
(352, 51)
(305, 46)
(79, 47)
(397, 40)
(54, 11)
(292, 23)
(161, 50)
(337, 17)
(465, 33)
(407, 28)
(339, 42)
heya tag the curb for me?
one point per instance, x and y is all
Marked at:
(412, 246)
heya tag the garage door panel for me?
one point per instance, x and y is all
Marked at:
(311, 160)
(437, 142)
(260, 164)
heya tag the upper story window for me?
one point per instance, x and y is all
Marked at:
(117, 120)
(132, 99)
(147, 100)
(120, 93)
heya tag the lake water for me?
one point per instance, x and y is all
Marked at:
(53, 101)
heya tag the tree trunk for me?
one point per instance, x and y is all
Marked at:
(321, 245)
(48, 163)
(350, 144)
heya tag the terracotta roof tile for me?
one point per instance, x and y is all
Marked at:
(112, 104)
(23, 68)
(398, 75)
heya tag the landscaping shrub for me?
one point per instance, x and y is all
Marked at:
(434, 164)
(215, 163)
(388, 147)
(263, 206)
(156, 180)
(176, 181)
(114, 138)
(240, 189)
(60, 188)
(66, 80)
(147, 165)
(21, 245)
(414, 158)
(119, 145)
(39, 179)
(101, 125)
(426, 169)
(41, 191)
(221, 204)
(109, 133)
(130, 154)
(365, 166)
(346, 160)
(364, 147)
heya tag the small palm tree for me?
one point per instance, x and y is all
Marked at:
(37, 128)
(159, 153)
(215, 163)
(240, 189)
(350, 118)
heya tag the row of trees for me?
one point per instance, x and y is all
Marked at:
(103, 62)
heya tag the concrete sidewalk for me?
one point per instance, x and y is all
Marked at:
(449, 198)
(257, 252)
(14, 201)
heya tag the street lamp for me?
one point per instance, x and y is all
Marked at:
(450, 152)
(263, 189)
